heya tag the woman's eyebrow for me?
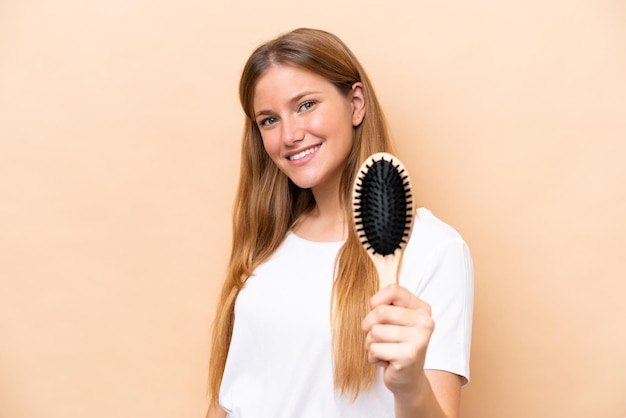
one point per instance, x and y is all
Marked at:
(294, 99)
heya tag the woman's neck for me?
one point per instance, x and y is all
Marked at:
(326, 221)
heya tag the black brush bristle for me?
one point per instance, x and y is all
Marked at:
(383, 207)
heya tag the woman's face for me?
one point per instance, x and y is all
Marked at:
(306, 124)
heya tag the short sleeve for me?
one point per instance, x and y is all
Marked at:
(438, 268)
(447, 285)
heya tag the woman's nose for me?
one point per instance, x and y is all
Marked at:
(292, 132)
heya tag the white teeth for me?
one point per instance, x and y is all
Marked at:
(304, 153)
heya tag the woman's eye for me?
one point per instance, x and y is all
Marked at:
(306, 105)
(268, 121)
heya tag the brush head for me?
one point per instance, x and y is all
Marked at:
(383, 204)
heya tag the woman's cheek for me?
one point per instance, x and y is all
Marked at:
(271, 145)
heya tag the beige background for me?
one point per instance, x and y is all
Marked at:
(119, 148)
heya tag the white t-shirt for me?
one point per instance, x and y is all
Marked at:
(280, 362)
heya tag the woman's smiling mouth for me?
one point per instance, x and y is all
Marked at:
(304, 153)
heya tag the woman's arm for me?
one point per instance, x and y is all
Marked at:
(398, 330)
(440, 396)
(215, 412)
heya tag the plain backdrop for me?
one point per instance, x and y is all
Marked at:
(119, 153)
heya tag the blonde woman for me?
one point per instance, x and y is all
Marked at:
(302, 329)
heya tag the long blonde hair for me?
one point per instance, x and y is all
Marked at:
(267, 204)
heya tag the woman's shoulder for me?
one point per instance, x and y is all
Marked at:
(429, 227)
(436, 253)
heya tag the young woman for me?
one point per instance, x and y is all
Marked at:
(302, 329)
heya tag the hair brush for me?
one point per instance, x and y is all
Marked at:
(383, 212)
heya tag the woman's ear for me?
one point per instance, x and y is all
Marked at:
(358, 103)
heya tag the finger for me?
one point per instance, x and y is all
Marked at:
(389, 314)
(390, 353)
(417, 336)
(398, 345)
(398, 296)
(377, 354)
(387, 334)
